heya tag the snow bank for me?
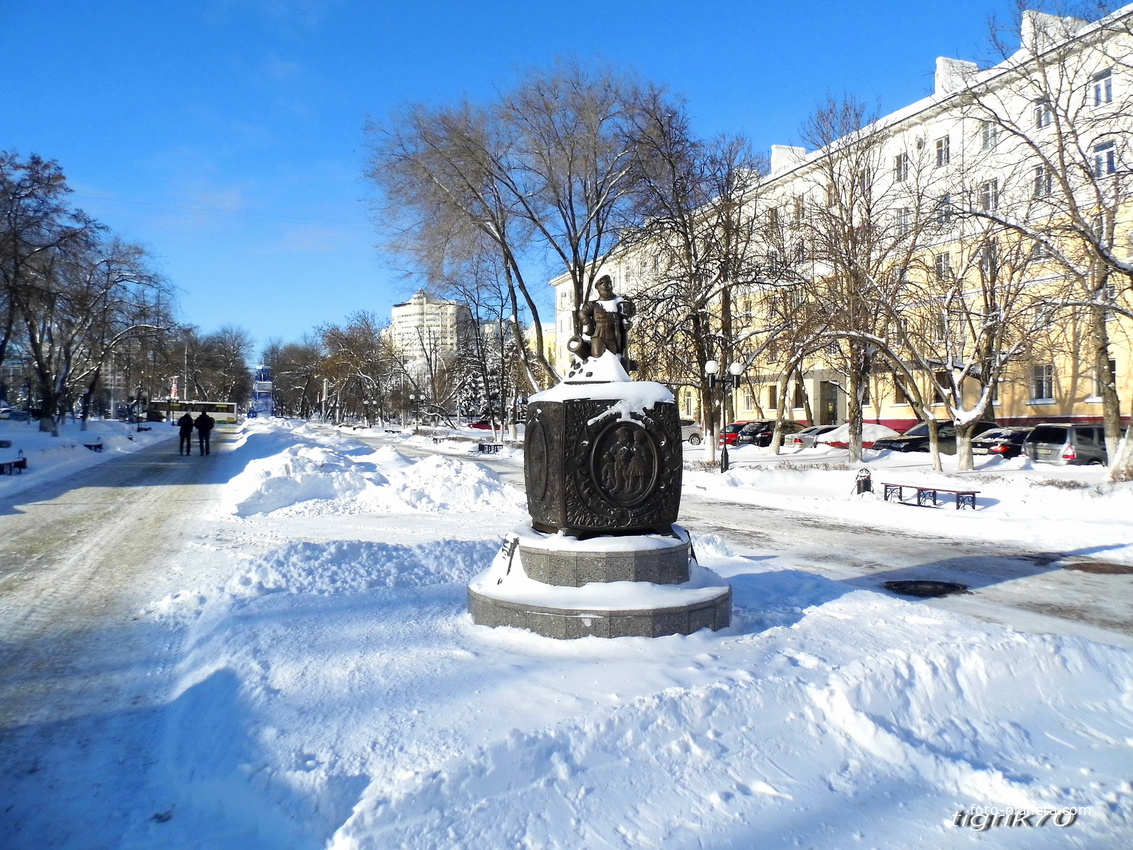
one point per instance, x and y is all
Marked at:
(306, 478)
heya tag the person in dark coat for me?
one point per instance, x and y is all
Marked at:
(204, 425)
(185, 424)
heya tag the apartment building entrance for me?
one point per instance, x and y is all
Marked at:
(827, 403)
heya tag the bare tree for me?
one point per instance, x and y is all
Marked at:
(216, 363)
(489, 357)
(547, 167)
(861, 216)
(695, 253)
(295, 383)
(361, 364)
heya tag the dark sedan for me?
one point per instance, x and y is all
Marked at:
(760, 433)
(1001, 442)
(916, 438)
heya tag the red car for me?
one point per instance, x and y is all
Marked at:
(732, 433)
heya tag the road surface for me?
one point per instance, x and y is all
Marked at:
(82, 676)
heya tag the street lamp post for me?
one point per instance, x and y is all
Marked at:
(728, 382)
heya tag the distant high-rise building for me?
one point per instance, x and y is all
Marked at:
(425, 327)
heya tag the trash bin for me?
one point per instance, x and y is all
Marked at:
(864, 482)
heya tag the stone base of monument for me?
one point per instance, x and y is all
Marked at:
(612, 586)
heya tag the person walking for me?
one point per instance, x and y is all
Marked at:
(204, 425)
(185, 424)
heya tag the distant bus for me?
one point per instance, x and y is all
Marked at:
(224, 412)
(262, 404)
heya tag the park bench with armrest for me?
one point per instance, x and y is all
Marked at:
(10, 466)
(929, 494)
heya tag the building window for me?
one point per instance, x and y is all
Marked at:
(904, 219)
(1102, 84)
(944, 210)
(1042, 182)
(938, 326)
(901, 167)
(1043, 114)
(989, 195)
(942, 264)
(1040, 251)
(941, 384)
(1105, 159)
(989, 135)
(1042, 382)
(899, 394)
(800, 395)
(943, 155)
(772, 396)
(989, 259)
(1101, 232)
(800, 208)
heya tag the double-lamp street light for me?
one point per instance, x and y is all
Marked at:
(726, 383)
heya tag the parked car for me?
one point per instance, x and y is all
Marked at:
(692, 432)
(14, 414)
(916, 438)
(1002, 442)
(482, 425)
(805, 438)
(839, 437)
(760, 433)
(731, 432)
(1054, 442)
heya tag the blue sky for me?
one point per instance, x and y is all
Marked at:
(227, 135)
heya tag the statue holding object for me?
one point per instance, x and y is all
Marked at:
(605, 324)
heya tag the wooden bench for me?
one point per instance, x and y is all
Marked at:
(489, 448)
(8, 467)
(94, 447)
(392, 431)
(930, 495)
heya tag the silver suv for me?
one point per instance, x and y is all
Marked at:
(1061, 443)
(692, 432)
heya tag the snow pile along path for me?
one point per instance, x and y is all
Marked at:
(308, 478)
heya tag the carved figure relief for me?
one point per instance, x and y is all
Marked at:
(624, 464)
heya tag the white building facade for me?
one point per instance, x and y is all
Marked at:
(427, 329)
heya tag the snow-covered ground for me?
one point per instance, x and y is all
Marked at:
(331, 690)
